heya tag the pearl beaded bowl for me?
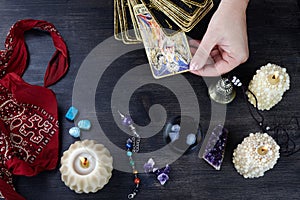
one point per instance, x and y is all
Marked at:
(86, 166)
(255, 155)
(268, 85)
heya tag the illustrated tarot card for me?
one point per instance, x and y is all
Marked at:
(167, 55)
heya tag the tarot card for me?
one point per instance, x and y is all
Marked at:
(126, 25)
(186, 7)
(130, 4)
(167, 55)
(185, 14)
(117, 28)
(168, 25)
(187, 23)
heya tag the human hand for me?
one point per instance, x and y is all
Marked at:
(225, 44)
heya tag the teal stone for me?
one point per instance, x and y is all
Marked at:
(131, 162)
(129, 153)
(84, 124)
(75, 132)
(71, 114)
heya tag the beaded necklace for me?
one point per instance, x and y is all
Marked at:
(132, 146)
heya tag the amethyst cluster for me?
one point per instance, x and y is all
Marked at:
(215, 147)
(161, 174)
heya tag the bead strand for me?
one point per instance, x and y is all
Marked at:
(132, 146)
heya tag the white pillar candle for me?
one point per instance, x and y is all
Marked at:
(86, 166)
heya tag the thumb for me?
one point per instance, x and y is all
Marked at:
(200, 57)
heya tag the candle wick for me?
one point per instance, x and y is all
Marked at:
(84, 162)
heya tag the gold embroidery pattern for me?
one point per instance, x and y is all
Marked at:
(30, 127)
(35, 128)
(5, 153)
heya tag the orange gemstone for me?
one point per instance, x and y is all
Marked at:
(137, 181)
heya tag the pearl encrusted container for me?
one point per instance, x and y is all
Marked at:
(86, 166)
(257, 154)
(268, 85)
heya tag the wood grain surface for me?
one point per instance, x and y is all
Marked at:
(274, 36)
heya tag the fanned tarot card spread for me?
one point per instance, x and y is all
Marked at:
(167, 55)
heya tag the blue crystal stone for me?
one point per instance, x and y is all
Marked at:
(175, 128)
(128, 145)
(71, 114)
(84, 124)
(173, 136)
(215, 147)
(75, 132)
(127, 121)
(191, 139)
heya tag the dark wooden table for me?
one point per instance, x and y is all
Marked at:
(274, 36)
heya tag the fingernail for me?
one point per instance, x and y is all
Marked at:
(193, 66)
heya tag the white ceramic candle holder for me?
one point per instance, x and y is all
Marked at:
(268, 85)
(86, 166)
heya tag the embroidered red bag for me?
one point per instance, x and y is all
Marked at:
(29, 128)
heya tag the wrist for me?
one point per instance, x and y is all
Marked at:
(237, 4)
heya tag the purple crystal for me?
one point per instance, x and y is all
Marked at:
(162, 174)
(166, 169)
(215, 147)
(126, 120)
(163, 178)
(148, 166)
